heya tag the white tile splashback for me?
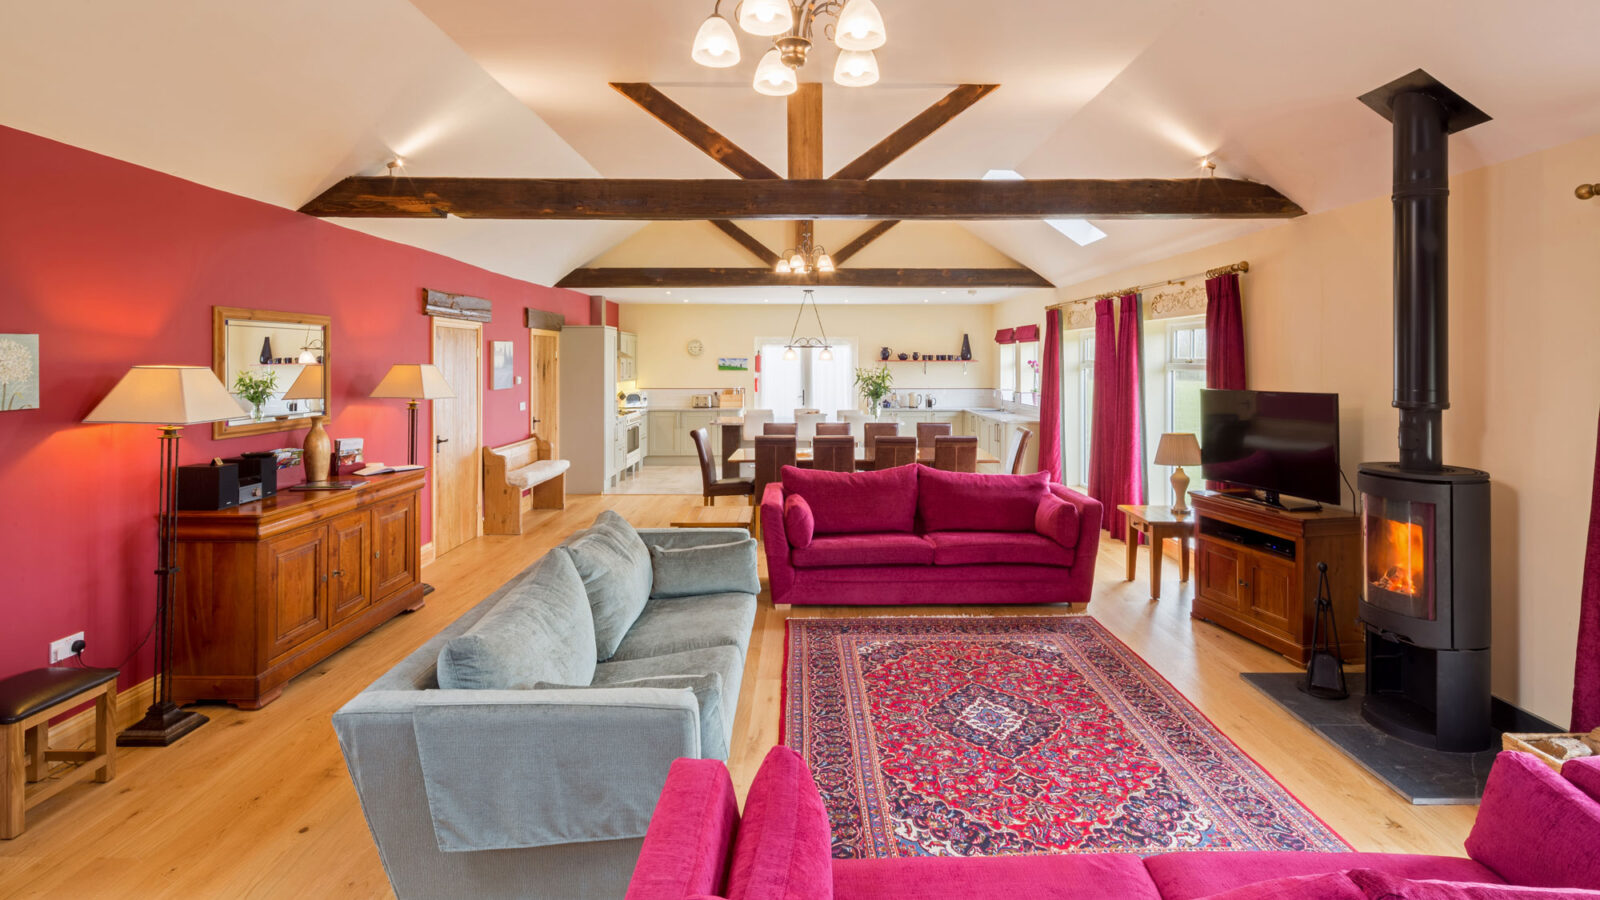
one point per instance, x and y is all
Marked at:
(944, 398)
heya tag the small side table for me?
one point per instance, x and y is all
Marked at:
(1157, 523)
(717, 517)
(28, 700)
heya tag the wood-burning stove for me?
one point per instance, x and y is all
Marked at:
(1425, 525)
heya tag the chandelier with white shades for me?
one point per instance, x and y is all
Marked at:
(857, 30)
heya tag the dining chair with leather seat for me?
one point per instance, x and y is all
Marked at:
(876, 430)
(898, 450)
(927, 431)
(833, 453)
(1021, 451)
(955, 454)
(780, 428)
(832, 429)
(712, 487)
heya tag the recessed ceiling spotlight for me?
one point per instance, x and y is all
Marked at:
(396, 163)
(1209, 164)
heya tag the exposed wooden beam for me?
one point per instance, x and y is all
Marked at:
(692, 129)
(644, 199)
(727, 277)
(862, 240)
(747, 241)
(910, 134)
(805, 146)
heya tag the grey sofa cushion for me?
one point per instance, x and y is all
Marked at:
(540, 630)
(690, 623)
(615, 567)
(707, 688)
(711, 569)
(727, 662)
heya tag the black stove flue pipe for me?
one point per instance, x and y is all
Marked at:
(1421, 277)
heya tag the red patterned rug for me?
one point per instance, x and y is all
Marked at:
(954, 736)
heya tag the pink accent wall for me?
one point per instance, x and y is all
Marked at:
(115, 265)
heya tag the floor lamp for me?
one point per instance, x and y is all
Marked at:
(171, 397)
(413, 382)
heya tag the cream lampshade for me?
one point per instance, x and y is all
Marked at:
(171, 397)
(1178, 449)
(414, 381)
(318, 458)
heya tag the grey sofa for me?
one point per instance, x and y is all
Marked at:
(544, 787)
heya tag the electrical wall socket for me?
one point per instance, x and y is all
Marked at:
(62, 649)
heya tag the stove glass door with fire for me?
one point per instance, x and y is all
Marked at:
(1397, 539)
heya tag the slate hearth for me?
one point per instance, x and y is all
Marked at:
(1423, 776)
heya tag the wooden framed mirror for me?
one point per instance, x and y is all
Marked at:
(260, 355)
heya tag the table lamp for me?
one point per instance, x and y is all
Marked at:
(318, 458)
(171, 397)
(413, 382)
(1178, 449)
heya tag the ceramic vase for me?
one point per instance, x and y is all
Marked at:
(318, 456)
(966, 348)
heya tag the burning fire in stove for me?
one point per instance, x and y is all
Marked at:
(1395, 557)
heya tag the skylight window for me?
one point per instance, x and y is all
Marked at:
(1080, 231)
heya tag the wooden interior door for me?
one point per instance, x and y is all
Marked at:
(457, 436)
(544, 387)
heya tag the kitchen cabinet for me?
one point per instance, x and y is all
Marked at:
(589, 407)
(627, 356)
(669, 430)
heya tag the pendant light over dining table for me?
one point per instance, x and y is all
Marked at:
(857, 30)
(797, 343)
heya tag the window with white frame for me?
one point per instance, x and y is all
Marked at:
(1008, 370)
(1085, 404)
(1185, 376)
(1028, 372)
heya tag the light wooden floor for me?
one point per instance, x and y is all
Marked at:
(258, 804)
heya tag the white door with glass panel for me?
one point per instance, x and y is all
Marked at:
(807, 380)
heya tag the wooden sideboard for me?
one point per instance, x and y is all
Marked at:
(268, 589)
(1256, 572)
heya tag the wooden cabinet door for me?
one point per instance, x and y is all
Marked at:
(1219, 575)
(664, 434)
(296, 589)
(349, 546)
(394, 546)
(693, 420)
(1270, 595)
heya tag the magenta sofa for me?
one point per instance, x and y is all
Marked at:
(915, 534)
(1537, 837)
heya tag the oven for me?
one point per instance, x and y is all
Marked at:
(633, 439)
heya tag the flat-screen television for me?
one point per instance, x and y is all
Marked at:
(1279, 442)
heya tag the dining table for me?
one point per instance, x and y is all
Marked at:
(803, 457)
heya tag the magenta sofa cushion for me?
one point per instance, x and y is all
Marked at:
(1584, 774)
(783, 850)
(857, 502)
(1385, 885)
(1192, 874)
(1328, 886)
(1063, 876)
(1057, 520)
(1534, 827)
(864, 550)
(685, 850)
(966, 501)
(798, 522)
(963, 548)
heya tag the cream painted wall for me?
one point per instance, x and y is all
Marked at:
(665, 329)
(909, 244)
(1524, 370)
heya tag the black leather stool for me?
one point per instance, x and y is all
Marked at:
(28, 701)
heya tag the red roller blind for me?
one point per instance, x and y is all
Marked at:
(1005, 336)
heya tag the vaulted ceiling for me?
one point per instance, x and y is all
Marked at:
(278, 101)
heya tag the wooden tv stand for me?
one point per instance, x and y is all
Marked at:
(269, 589)
(1256, 571)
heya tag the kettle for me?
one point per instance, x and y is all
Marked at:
(916, 400)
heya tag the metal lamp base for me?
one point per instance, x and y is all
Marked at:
(163, 724)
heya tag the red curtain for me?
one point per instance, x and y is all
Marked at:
(1103, 431)
(1130, 408)
(1050, 397)
(1224, 333)
(1586, 675)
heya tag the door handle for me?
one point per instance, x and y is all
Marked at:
(437, 441)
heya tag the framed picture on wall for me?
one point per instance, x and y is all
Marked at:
(501, 361)
(19, 371)
(733, 363)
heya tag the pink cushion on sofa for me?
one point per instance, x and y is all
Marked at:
(783, 849)
(1584, 774)
(1192, 874)
(857, 502)
(798, 523)
(965, 548)
(966, 501)
(1328, 886)
(1057, 520)
(1061, 876)
(1385, 885)
(1534, 827)
(685, 852)
(864, 550)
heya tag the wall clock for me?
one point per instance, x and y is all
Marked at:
(696, 348)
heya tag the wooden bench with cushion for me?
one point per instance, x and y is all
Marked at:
(513, 468)
(28, 701)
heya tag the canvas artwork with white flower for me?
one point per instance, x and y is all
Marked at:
(19, 371)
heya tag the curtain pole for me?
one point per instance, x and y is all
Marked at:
(1241, 266)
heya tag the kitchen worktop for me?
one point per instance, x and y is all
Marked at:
(736, 416)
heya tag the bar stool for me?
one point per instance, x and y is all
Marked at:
(28, 701)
